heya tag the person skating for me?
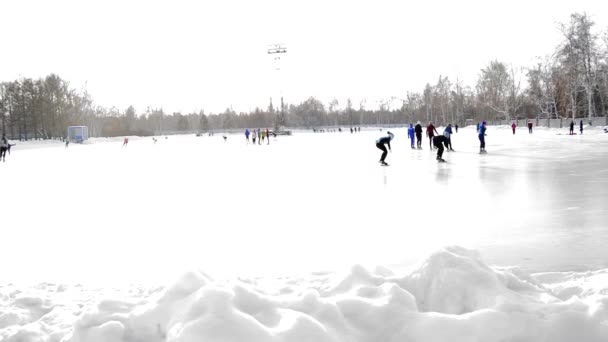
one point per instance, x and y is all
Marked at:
(253, 136)
(456, 127)
(482, 137)
(430, 132)
(418, 131)
(530, 126)
(125, 142)
(410, 134)
(267, 136)
(4, 146)
(447, 133)
(581, 125)
(439, 141)
(513, 125)
(572, 127)
(247, 134)
(380, 144)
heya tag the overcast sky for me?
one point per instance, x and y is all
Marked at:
(191, 55)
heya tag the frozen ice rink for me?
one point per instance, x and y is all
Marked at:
(306, 239)
(308, 202)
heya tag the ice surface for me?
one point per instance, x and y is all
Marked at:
(530, 216)
(309, 202)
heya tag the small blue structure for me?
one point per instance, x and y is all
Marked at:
(78, 134)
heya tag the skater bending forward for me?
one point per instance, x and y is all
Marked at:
(380, 144)
(439, 141)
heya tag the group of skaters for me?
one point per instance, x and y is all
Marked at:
(514, 127)
(436, 140)
(572, 127)
(258, 134)
(333, 130)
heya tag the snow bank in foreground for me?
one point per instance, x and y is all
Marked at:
(452, 296)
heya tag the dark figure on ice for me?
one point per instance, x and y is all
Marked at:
(5, 147)
(438, 142)
(418, 131)
(571, 127)
(125, 142)
(247, 134)
(513, 126)
(482, 137)
(530, 126)
(267, 136)
(456, 127)
(67, 142)
(581, 124)
(410, 134)
(430, 132)
(380, 144)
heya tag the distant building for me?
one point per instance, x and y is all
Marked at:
(78, 134)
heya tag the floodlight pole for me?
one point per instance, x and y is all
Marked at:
(278, 49)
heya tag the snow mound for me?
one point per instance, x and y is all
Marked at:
(452, 296)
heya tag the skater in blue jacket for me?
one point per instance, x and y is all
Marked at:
(411, 134)
(447, 132)
(482, 137)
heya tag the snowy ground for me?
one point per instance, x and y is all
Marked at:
(270, 215)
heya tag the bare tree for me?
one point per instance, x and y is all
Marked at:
(578, 55)
(499, 89)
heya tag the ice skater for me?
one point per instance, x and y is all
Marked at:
(572, 127)
(482, 137)
(418, 130)
(513, 126)
(67, 142)
(529, 126)
(253, 136)
(4, 146)
(456, 127)
(430, 132)
(247, 134)
(267, 136)
(447, 133)
(439, 141)
(125, 142)
(380, 144)
(581, 125)
(410, 134)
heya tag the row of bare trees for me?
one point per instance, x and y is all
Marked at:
(570, 82)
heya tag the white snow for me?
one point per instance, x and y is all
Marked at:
(451, 296)
(257, 220)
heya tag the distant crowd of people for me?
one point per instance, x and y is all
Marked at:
(259, 134)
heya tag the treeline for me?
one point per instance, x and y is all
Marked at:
(571, 82)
